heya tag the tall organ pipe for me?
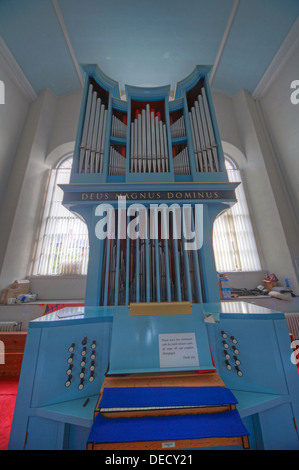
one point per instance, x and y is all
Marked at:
(93, 134)
(149, 145)
(203, 136)
(85, 128)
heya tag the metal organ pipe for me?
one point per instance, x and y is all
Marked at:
(149, 145)
(181, 163)
(210, 128)
(93, 135)
(101, 140)
(157, 132)
(117, 163)
(155, 266)
(139, 144)
(205, 134)
(205, 147)
(85, 129)
(178, 128)
(118, 128)
(143, 137)
(148, 139)
(90, 132)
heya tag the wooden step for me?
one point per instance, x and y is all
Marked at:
(165, 432)
(179, 444)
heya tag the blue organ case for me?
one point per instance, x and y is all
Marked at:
(252, 353)
(64, 363)
(151, 150)
(250, 349)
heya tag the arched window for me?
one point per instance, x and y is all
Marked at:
(63, 246)
(233, 237)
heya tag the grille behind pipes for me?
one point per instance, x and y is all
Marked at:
(10, 326)
(292, 320)
(150, 269)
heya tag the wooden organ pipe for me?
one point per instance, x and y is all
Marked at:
(93, 135)
(149, 147)
(205, 147)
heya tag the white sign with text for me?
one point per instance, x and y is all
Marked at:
(178, 350)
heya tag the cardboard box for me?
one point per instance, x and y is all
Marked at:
(13, 293)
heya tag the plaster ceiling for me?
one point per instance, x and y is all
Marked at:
(145, 43)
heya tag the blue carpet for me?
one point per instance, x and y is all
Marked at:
(134, 397)
(107, 430)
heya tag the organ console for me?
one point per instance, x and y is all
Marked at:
(154, 360)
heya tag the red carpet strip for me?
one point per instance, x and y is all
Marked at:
(8, 393)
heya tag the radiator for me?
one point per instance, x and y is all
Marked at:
(293, 324)
(10, 326)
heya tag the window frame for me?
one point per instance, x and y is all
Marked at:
(39, 268)
(229, 214)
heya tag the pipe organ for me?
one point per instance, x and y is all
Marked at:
(154, 360)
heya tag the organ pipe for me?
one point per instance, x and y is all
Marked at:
(93, 135)
(181, 163)
(177, 129)
(117, 163)
(149, 144)
(154, 268)
(205, 147)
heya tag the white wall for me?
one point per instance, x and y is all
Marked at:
(23, 199)
(227, 123)
(263, 188)
(282, 118)
(65, 123)
(12, 119)
(49, 133)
